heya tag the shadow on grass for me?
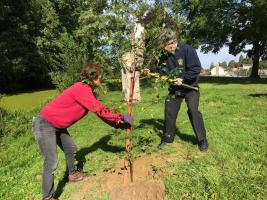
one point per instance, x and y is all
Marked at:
(80, 157)
(158, 125)
(232, 80)
(258, 95)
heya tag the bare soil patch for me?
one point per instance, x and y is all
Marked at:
(148, 171)
(141, 190)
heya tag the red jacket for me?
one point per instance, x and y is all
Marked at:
(73, 104)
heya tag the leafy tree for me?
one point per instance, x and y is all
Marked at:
(247, 60)
(241, 59)
(212, 65)
(21, 64)
(235, 24)
(231, 65)
(223, 64)
(41, 37)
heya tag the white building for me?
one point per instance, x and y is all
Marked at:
(246, 66)
(217, 71)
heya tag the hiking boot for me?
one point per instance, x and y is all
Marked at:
(50, 198)
(203, 145)
(77, 176)
(162, 145)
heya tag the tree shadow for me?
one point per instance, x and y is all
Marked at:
(232, 80)
(258, 95)
(158, 125)
(80, 157)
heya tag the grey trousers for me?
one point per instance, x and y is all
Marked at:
(172, 107)
(48, 137)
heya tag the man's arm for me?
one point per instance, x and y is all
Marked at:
(193, 67)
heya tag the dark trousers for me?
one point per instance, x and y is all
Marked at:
(172, 107)
(48, 137)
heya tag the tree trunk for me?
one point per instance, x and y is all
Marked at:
(256, 59)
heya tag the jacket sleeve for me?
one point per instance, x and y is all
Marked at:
(193, 66)
(84, 95)
(161, 67)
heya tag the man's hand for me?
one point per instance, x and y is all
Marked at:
(145, 71)
(178, 81)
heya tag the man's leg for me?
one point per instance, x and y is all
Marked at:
(196, 119)
(172, 107)
(45, 135)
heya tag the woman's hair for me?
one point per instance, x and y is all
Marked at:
(91, 72)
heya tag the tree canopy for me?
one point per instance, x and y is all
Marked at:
(52, 39)
(236, 24)
(43, 38)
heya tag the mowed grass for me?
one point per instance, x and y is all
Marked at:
(25, 101)
(233, 168)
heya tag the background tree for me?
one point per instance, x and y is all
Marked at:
(21, 65)
(56, 37)
(231, 65)
(223, 64)
(247, 60)
(235, 24)
(241, 59)
(212, 65)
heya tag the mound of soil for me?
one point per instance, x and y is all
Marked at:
(148, 172)
(142, 190)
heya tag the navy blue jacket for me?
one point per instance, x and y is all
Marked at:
(185, 57)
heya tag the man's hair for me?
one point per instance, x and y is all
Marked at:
(165, 36)
(91, 72)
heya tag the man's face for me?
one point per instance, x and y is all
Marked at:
(171, 46)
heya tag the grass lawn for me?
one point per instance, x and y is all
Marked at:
(235, 166)
(25, 101)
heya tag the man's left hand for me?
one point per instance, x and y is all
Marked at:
(178, 81)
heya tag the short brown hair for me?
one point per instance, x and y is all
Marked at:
(91, 72)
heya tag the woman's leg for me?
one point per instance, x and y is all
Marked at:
(45, 135)
(68, 147)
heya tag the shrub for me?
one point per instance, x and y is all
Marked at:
(74, 58)
(15, 123)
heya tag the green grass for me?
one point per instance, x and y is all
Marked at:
(233, 168)
(25, 101)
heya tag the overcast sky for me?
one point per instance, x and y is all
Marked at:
(222, 55)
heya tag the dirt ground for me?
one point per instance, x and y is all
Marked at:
(148, 172)
(141, 190)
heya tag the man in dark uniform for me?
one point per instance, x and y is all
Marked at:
(182, 64)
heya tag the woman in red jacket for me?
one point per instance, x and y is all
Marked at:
(50, 126)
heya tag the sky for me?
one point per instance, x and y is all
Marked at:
(222, 55)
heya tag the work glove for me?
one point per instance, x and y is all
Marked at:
(127, 118)
(125, 123)
(178, 81)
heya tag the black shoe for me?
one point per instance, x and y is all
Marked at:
(203, 145)
(162, 145)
